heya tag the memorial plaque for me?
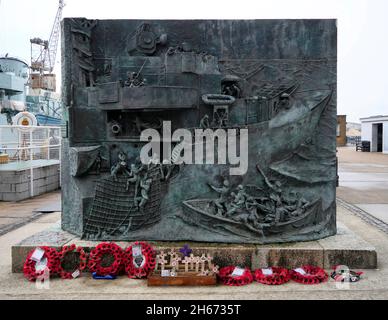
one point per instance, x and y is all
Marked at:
(245, 116)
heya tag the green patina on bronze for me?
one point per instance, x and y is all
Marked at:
(275, 78)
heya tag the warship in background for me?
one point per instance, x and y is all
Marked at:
(30, 120)
(17, 95)
(32, 87)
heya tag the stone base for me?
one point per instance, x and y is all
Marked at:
(345, 248)
(15, 183)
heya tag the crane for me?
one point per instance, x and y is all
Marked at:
(43, 54)
(51, 53)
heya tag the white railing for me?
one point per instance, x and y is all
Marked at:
(29, 147)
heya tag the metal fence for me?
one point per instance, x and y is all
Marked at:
(353, 140)
(29, 147)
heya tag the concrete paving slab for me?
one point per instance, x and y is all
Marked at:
(54, 206)
(353, 194)
(363, 176)
(16, 214)
(53, 218)
(378, 210)
(350, 155)
(358, 176)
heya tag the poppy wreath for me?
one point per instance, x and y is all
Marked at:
(313, 275)
(53, 262)
(147, 265)
(225, 275)
(278, 276)
(82, 260)
(102, 249)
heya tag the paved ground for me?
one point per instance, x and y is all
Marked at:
(363, 183)
(373, 286)
(16, 214)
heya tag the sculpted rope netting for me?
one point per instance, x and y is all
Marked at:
(114, 209)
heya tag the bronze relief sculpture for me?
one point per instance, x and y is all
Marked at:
(270, 85)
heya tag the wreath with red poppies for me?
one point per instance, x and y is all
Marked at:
(309, 275)
(67, 250)
(139, 260)
(106, 258)
(226, 276)
(51, 263)
(273, 276)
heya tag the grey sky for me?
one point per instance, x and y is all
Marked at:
(362, 33)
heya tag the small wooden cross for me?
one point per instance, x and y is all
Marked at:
(192, 260)
(173, 255)
(186, 262)
(175, 263)
(160, 259)
(209, 261)
(215, 269)
(197, 260)
(203, 259)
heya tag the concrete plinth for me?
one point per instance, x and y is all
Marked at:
(15, 179)
(345, 248)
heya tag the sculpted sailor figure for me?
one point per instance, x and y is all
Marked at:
(135, 177)
(243, 207)
(120, 166)
(221, 202)
(238, 201)
(145, 185)
(204, 123)
(284, 103)
(253, 218)
(232, 90)
(98, 162)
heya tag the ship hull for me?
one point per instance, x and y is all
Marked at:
(197, 212)
(276, 139)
